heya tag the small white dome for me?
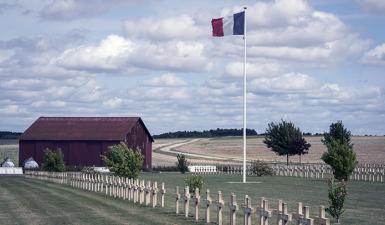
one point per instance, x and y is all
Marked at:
(8, 163)
(30, 164)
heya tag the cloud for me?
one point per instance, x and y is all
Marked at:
(278, 13)
(113, 102)
(4, 7)
(375, 56)
(260, 69)
(164, 94)
(166, 80)
(116, 53)
(293, 30)
(372, 6)
(181, 27)
(75, 9)
(286, 83)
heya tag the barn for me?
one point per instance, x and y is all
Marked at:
(83, 139)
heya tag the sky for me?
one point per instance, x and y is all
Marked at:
(311, 62)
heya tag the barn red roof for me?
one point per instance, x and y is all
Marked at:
(81, 128)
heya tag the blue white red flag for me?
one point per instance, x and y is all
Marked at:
(231, 25)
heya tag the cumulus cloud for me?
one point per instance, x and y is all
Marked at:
(375, 56)
(75, 9)
(286, 83)
(182, 26)
(293, 30)
(185, 77)
(372, 6)
(261, 69)
(116, 53)
(4, 6)
(166, 80)
(161, 94)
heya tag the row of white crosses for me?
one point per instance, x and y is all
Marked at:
(134, 190)
(301, 217)
(55, 177)
(114, 186)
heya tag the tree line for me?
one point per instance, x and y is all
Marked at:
(9, 135)
(206, 133)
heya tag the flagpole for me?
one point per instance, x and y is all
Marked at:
(244, 103)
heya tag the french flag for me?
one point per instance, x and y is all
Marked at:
(231, 25)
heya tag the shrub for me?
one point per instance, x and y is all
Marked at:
(165, 169)
(53, 160)
(123, 161)
(261, 168)
(194, 181)
(336, 194)
(182, 163)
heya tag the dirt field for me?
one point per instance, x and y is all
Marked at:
(9, 148)
(368, 149)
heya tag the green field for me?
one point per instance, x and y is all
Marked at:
(365, 203)
(26, 201)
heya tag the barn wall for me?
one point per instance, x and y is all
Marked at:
(26, 150)
(138, 138)
(76, 153)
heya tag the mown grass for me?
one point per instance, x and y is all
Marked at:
(365, 203)
(27, 201)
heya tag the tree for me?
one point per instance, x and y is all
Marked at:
(285, 139)
(341, 158)
(123, 161)
(339, 133)
(53, 160)
(340, 154)
(182, 163)
(336, 194)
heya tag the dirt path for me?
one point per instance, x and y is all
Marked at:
(167, 153)
(172, 149)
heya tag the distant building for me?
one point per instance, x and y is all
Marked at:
(84, 139)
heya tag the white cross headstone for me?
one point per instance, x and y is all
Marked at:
(233, 209)
(247, 211)
(302, 216)
(162, 193)
(147, 190)
(283, 217)
(186, 198)
(220, 203)
(264, 212)
(321, 219)
(207, 202)
(177, 198)
(197, 200)
(154, 194)
(141, 192)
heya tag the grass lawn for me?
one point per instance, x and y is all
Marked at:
(365, 203)
(28, 201)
